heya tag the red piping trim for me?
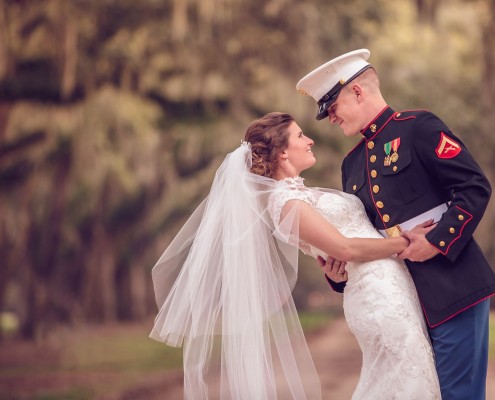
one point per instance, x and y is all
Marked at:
(462, 228)
(416, 109)
(383, 126)
(453, 315)
(404, 119)
(374, 119)
(458, 236)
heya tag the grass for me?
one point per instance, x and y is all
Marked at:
(134, 352)
(72, 394)
(96, 362)
(312, 321)
(124, 351)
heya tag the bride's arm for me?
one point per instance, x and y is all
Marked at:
(317, 231)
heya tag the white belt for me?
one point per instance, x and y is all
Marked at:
(434, 213)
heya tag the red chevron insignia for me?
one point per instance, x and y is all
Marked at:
(447, 147)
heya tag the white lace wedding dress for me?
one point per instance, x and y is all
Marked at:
(380, 304)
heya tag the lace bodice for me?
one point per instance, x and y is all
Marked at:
(380, 302)
(344, 211)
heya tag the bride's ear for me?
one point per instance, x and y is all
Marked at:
(283, 156)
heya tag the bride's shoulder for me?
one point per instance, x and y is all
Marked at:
(290, 189)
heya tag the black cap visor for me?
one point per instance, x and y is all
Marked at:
(326, 101)
(323, 106)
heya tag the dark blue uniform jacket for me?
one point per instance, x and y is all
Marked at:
(432, 167)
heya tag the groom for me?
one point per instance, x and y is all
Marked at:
(409, 168)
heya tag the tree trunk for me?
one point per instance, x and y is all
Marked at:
(66, 30)
(4, 53)
(180, 22)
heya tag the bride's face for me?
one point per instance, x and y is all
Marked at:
(298, 152)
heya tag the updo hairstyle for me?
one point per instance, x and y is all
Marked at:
(268, 136)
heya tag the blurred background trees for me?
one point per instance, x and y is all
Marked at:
(114, 115)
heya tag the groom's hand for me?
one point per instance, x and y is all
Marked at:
(333, 269)
(419, 248)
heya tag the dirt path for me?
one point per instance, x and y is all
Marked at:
(337, 358)
(338, 361)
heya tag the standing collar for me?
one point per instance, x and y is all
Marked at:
(378, 123)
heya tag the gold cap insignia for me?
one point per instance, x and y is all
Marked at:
(342, 81)
(302, 92)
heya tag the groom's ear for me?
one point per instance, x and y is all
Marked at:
(357, 91)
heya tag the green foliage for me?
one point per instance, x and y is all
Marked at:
(312, 321)
(73, 394)
(124, 352)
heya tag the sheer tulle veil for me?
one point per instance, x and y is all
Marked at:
(223, 288)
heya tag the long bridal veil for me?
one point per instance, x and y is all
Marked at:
(223, 288)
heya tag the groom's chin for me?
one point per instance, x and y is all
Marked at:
(350, 133)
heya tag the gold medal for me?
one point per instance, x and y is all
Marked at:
(395, 146)
(387, 161)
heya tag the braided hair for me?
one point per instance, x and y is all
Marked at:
(268, 137)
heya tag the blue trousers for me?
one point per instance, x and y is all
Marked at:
(461, 353)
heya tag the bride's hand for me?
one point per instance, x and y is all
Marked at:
(334, 269)
(424, 228)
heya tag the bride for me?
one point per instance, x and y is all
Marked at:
(223, 286)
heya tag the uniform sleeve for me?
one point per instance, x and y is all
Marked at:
(343, 175)
(336, 286)
(461, 180)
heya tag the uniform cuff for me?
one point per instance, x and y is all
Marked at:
(336, 286)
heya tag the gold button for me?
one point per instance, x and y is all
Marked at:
(442, 243)
(373, 158)
(373, 128)
(452, 230)
(376, 189)
(374, 173)
(397, 115)
(395, 168)
(461, 217)
(371, 144)
(354, 187)
(379, 204)
(386, 217)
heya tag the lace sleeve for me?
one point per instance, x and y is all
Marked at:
(292, 191)
(281, 197)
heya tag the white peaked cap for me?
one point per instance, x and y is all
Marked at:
(325, 82)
